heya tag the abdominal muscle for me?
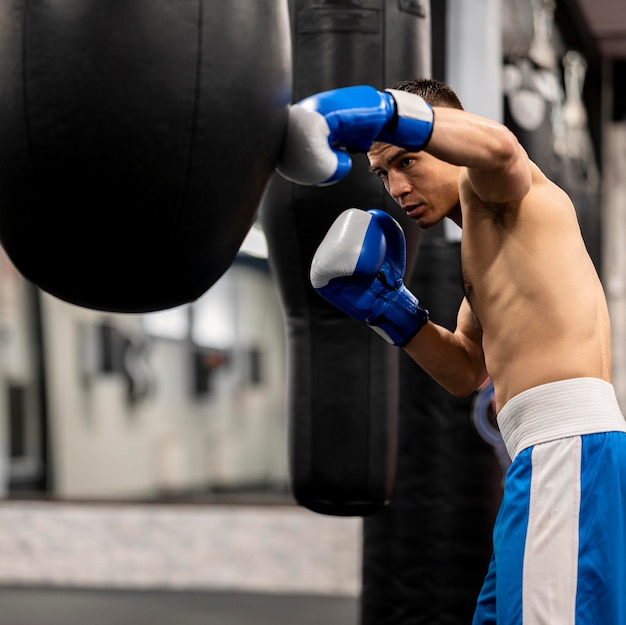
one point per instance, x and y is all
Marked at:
(536, 342)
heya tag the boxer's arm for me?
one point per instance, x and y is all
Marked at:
(453, 359)
(498, 166)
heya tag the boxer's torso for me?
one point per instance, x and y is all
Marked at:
(533, 290)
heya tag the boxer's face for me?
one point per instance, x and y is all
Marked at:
(425, 187)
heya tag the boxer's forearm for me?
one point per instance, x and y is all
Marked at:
(448, 359)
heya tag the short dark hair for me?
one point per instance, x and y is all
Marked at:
(435, 92)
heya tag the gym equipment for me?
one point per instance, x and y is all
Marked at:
(323, 129)
(138, 137)
(359, 267)
(342, 387)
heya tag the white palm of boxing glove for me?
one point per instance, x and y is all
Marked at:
(359, 268)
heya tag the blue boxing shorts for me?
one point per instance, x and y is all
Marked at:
(559, 541)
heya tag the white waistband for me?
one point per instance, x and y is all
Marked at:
(558, 410)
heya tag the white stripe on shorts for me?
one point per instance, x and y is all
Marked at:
(551, 555)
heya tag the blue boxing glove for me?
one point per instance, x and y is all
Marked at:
(359, 267)
(322, 127)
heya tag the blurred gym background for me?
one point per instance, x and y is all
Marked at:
(144, 467)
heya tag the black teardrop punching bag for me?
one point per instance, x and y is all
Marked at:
(138, 137)
(343, 377)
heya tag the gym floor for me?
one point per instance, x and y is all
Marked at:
(68, 563)
(60, 606)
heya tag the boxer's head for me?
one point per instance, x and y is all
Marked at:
(425, 187)
(435, 92)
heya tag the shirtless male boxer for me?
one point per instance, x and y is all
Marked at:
(534, 319)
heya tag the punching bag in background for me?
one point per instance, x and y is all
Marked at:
(343, 377)
(426, 555)
(138, 137)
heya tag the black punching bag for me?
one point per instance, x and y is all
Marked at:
(343, 377)
(138, 137)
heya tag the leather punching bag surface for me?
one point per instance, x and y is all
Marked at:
(138, 137)
(343, 397)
